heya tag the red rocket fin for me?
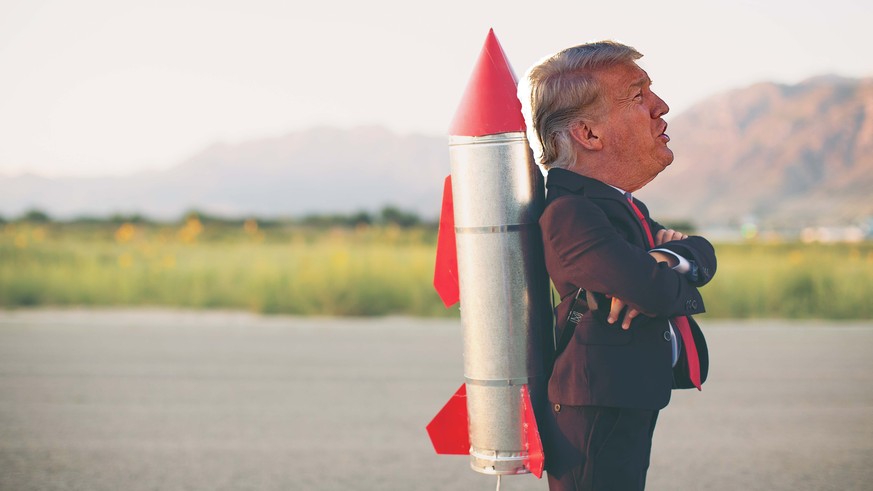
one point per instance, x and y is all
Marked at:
(445, 275)
(449, 429)
(490, 104)
(532, 443)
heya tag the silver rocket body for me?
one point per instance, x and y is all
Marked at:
(504, 291)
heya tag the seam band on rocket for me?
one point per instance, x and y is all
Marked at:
(497, 228)
(505, 382)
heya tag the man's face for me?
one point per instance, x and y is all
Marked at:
(631, 129)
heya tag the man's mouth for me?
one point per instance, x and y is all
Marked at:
(664, 136)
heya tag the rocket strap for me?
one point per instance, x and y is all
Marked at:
(581, 303)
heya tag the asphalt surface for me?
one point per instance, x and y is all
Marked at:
(162, 400)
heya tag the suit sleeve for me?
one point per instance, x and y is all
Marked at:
(695, 249)
(592, 255)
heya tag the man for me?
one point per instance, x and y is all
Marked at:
(626, 283)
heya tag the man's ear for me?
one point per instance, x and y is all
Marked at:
(585, 136)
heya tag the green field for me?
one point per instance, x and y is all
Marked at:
(359, 271)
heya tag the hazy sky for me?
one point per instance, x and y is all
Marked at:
(91, 87)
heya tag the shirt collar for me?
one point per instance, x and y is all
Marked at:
(620, 190)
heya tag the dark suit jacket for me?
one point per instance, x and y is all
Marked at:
(593, 240)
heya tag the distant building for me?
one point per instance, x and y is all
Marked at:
(833, 234)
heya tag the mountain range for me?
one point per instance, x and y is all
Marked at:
(778, 155)
(319, 170)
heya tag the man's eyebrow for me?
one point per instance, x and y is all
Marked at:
(641, 81)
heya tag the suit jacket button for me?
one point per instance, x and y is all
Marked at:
(667, 335)
(557, 408)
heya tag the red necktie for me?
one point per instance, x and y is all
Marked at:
(681, 322)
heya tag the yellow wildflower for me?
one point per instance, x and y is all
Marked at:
(125, 233)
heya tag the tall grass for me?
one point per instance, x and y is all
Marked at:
(340, 272)
(831, 281)
(364, 271)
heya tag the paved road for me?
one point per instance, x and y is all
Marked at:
(176, 401)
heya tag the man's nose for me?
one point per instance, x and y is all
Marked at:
(659, 108)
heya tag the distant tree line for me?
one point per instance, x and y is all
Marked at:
(387, 216)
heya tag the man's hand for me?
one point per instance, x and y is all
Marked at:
(615, 309)
(666, 235)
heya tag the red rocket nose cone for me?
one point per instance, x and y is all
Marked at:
(490, 104)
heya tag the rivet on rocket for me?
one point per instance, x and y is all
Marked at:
(489, 257)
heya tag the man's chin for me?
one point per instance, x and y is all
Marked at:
(668, 159)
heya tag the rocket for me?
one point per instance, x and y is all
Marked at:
(489, 256)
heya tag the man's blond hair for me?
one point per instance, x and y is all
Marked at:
(564, 91)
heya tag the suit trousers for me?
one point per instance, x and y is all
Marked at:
(595, 448)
